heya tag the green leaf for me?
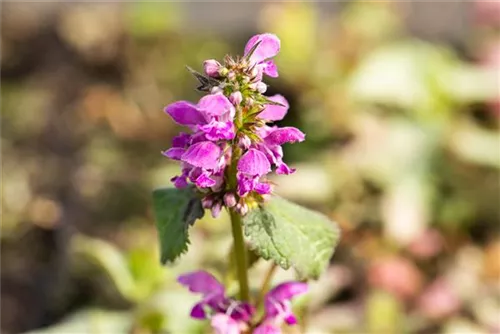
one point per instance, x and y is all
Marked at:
(175, 209)
(292, 235)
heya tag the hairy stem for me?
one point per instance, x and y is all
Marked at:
(240, 254)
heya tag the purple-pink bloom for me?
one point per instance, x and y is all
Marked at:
(278, 307)
(273, 112)
(217, 105)
(251, 166)
(267, 328)
(203, 154)
(201, 282)
(280, 136)
(218, 130)
(214, 297)
(224, 324)
(207, 151)
(268, 48)
(185, 113)
(254, 163)
(181, 140)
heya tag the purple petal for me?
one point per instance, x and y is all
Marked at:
(283, 169)
(185, 113)
(195, 173)
(198, 311)
(174, 153)
(263, 188)
(274, 112)
(243, 312)
(290, 318)
(179, 181)
(219, 182)
(218, 130)
(203, 181)
(201, 282)
(267, 328)
(197, 137)
(203, 154)
(181, 140)
(245, 184)
(269, 47)
(284, 135)
(271, 69)
(254, 163)
(286, 291)
(224, 324)
(217, 105)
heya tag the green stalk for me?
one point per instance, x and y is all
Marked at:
(240, 254)
(266, 284)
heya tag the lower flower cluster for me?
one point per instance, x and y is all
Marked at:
(231, 149)
(230, 316)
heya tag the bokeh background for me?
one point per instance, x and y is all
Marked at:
(400, 103)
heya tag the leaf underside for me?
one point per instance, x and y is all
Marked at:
(292, 236)
(175, 210)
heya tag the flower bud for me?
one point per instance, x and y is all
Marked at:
(245, 141)
(216, 209)
(229, 200)
(207, 202)
(242, 208)
(236, 98)
(258, 86)
(216, 89)
(249, 101)
(212, 67)
(231, 75)
(261, 87)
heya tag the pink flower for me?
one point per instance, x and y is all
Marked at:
(274, 112)
(215, 302)
(268, 48)
(203, 154)
(272, 139)
(252, 165)
(278, 307)
(236, 88)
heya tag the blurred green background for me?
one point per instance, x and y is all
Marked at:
(400, 103)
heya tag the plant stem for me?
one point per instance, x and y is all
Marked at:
(266, 283)
(240, 254)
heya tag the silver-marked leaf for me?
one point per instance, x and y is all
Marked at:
(292, 236)
(175, 210)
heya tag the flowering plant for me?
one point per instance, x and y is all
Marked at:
(225, 160)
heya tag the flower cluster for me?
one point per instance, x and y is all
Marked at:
(231, 149)
(229, 316)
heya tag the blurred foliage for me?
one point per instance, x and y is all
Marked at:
(402, 150)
